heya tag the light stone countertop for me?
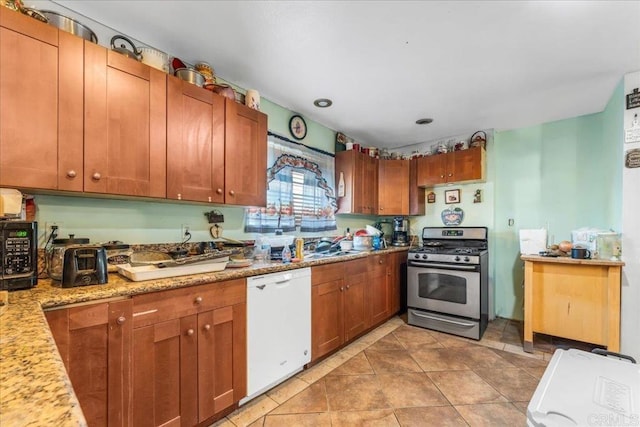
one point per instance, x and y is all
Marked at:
(34, 387)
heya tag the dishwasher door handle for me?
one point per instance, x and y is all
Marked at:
(261, 287)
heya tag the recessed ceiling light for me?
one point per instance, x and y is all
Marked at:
(425, 121)
(322, 102)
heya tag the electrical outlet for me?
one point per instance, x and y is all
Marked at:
(51, 227)
(185, 231)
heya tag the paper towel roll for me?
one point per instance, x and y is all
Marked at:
(10, 202)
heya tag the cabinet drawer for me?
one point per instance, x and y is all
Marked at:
(355, 267)
(165, 305)
(327, 273)
(376, 260)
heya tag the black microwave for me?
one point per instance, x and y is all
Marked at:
(18, 254)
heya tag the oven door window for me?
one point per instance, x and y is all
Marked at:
(442, 287)
(448, 291)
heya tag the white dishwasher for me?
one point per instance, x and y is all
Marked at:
(278, 328)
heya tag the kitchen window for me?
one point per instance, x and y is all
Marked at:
(300, 191)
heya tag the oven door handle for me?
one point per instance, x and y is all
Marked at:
(468, 325)
(447, 266)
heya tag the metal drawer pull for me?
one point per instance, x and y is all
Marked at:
(451, 266)
(198, 300)
(468, 325)
(71, 174)
(190, 332)
(120, 320)
(143, 313)
(207, 327)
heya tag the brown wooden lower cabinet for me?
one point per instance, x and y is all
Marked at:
(94, 341)
(189, 362)
(348, 298)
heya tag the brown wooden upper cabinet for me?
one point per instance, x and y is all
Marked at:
(195, 143)
(360, 175)
(416, 193)
(41, 105)
(125, 136)
(393, 187)
(457, 166)
(216, 148)
(245, 172)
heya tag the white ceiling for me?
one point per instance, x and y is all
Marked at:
(468, 64)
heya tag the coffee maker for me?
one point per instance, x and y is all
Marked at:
(400, 231)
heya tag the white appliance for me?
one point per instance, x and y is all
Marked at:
(278, 328)
(586, 389)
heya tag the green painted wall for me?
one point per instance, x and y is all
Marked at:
(560, 176)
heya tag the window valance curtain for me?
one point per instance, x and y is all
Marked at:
(300, 190)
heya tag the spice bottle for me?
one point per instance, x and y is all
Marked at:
(300, 248)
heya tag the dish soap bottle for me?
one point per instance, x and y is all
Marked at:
(286, 254)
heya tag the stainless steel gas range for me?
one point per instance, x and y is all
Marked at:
(448, 281)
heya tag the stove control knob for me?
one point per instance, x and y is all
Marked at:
(416, 256)
(456, 259)
(425, 256)
(466, 259)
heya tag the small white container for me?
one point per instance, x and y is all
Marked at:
(346, 245)
(363, 243)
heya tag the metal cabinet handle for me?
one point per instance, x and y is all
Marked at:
(341, 288)
(190, 332)
(380, 261)
(441, 176)
(231, 192)
(209, 199)
(207, 327)
(450, 174)
(71, 173)
(198, 300)
(97, 176)
(179, 196)
(348, 286)
(120, 320)
(219, 191)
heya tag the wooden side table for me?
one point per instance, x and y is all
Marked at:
(578, 299)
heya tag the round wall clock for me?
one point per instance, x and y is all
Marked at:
(298, 127)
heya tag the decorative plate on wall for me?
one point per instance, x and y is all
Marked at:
(452, 216)
(297, 127)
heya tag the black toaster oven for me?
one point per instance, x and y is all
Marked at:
(18, 254)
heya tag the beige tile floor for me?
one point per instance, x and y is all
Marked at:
(400, 375)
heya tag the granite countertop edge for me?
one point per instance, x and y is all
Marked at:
(34, 386)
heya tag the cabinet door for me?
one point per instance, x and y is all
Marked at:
(195, 143)
(94, 342)
(416, 193)
(38, 63)
(125, 131)
(245, 156)
(394, 272)
(378, 289)
(432, 170)
(165, 363)
(369, 186)
(349, 164)
(221, 359)
(466, 165)
(355, 307)
(393, 187)
(327, 323)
